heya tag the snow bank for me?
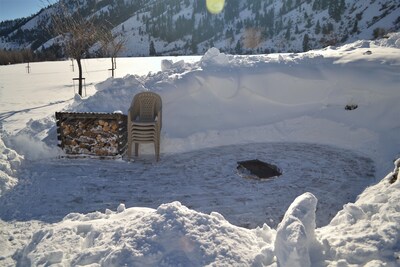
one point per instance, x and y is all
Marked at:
(367, 232)
(112, 94)
(295, 242)
(392, 40)
(171, 235)
(213, 57)
(167, 65)
(32, 148)
(9, 164)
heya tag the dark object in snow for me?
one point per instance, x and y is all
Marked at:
(395, 175)
(351, 107)
(369, 52)
(393, 179)
(257, 169)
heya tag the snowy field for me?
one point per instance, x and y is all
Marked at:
(336, 204)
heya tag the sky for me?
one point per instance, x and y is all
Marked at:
(13, 9)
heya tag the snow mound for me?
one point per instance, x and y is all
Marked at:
(119, 83)
(32, 148)
(392, 40)
(167, 65)
(120, 90)
(295, 237)
(366, 233)
(9, 163)
(214, 57)
(171, 235)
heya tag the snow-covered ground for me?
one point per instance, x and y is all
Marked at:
(330, 207)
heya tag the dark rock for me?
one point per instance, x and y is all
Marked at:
(351, 107)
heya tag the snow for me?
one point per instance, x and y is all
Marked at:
(9, 163)
(330, 207)
(295, 236)
(369, 228)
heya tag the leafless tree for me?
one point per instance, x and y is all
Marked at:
(111, 45)
(76, 34)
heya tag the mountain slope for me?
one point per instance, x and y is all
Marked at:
(176, 27)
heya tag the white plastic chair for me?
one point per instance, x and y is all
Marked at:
(144, 122)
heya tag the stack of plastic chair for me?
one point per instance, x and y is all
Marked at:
(144, 122)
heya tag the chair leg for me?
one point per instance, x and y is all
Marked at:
(157, 150)
(129, 149)
(136, 149)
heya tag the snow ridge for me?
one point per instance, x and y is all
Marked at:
(9, 165)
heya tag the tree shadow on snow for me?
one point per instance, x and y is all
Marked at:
(6, 115)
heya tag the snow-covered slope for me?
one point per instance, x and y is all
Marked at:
(184, 27)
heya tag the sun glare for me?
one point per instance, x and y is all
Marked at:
(215, 6)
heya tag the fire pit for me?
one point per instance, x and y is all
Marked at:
(257, 169)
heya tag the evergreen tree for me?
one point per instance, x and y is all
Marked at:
(327, 28)
(231, 10)
(289, 4)
(287, 34)
(152, 49)
(306, 41)
(336, 9)
(317, 28)
(309, 23)
(238, 47)
(355, 27)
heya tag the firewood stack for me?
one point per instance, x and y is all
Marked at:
(92, 134)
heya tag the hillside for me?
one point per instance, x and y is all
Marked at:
(185, 27)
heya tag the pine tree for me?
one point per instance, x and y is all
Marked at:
(152, 49)
(355, 27)
(287, 35)
(238, 47)
(306, 41)
(336, 9)
(317, 28)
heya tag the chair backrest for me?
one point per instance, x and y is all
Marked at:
(145, 105)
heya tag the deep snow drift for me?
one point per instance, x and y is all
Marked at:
(286, 108)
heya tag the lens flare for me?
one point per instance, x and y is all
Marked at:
(215, 6)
